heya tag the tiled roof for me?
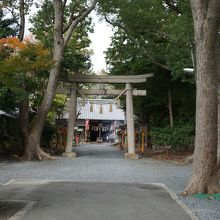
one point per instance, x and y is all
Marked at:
(85, 113)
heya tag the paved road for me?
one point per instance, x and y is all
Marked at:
(95, 201)
(104, 163)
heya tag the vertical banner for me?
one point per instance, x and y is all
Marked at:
(86, 128)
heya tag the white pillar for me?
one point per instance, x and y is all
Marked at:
(71, 121)
(130, 123)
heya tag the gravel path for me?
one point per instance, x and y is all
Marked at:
(102, 162)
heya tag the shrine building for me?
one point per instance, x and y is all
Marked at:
(96, 119)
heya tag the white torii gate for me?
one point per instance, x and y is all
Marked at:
(128, 80)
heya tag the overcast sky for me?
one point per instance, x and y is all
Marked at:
(101, 39)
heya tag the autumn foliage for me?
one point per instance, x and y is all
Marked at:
(11, 42)
(25, 57)
(22, 63)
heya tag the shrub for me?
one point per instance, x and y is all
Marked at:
(10, 140)
(48, 134)
(181, 136)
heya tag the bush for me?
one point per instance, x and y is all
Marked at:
(48, 134)
(181, 136)
(10, 140)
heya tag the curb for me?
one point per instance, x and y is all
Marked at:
(20, 214)
(178, 201)
(3, 163)
(9, 182)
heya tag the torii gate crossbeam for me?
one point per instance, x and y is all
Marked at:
(106, 79)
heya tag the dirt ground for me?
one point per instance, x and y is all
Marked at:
(170, 155)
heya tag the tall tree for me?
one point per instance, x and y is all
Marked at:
(8, 28)
(24, 104)
(18, 10)
(149, 43)
(206, 19)
(76, 54)
(62, 34)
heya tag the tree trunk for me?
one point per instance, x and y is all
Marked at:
(33, 149)
(218, 151)
(24, 104)
(218, 155)
(24, 123)
(22, 20)
(170, 107)
(218, 60)
(206, 25)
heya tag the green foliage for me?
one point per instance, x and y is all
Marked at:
(43, 22)
(49, 131)
(7, 26)
(24, 70)
(24, 67)
(57, 107)
(8, 99)
(13, 6)
(32, 59)
(181, 136)
(10, 138)
(9, 16)
(56, 110)
(151, 37)
(76, 55)
(152, 31)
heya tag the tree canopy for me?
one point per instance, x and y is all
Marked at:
(153, 37)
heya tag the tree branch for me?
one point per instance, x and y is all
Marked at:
(77, 20)
(63, 7)
(13, 14)
(64, 4)
(163, 66)
(172, 6)
(58, 23)
(71, 19)
(137, 42)
(22, 20)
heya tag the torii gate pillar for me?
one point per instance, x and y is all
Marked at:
(71, 122)
(130, 123)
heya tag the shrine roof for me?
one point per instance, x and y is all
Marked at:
(84, 108)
